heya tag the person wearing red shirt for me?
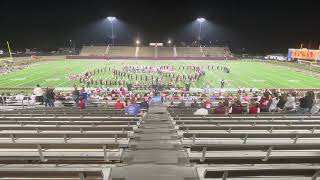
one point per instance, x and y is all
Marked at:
(207, 104)
(82, 103)
(253, 108)
(265, 102)
(118, 105)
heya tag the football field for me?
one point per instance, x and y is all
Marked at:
(244, 74)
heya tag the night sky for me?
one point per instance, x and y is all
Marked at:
(257, 26)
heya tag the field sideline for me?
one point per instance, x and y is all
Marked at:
(244, 74)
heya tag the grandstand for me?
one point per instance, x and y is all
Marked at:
(189, 52)
(94, 51)
(216, 52)
(146, 52)
(163, 52)
(121, 51)
(154, 52)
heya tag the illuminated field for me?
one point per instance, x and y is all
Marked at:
(243, 74)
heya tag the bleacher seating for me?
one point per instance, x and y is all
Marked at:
(189, 52)
(148, 52)
(65, 134)
(278, 146)
(53, 171)
(127, 52)
(165, 52)
(121, 51)
(93, 51)
(216, 52)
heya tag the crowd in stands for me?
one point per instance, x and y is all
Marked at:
(13, 67)
(251, 102)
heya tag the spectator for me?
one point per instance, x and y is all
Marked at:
(76, 95)
(220, 109)
(144, 105)
(265, 102)
(316, 106)
(133, 109)
(273, 106)
(282, 102)
(39, 94)
(84, 95)
(253, 107)
(246, 97)
(118, 105)
(50, 97)
(290, 104)
(201, 111)
(195, 104)
(306, 103)
(58, 102)
(207, 104)
(226, 103)
(82, 104)
(123, 92)
(237, 108)
(172, 105)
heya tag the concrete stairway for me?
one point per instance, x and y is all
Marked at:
(156, 152)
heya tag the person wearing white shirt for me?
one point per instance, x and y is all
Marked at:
(39, 94)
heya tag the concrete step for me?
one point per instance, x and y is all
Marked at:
(154, 172)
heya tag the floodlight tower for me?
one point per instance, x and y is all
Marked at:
(111, 19)
(200, 20)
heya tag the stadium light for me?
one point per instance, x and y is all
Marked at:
(111, 19)
(200, 20)
(169, 41)
(137, 42)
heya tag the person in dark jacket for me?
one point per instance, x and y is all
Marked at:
(306, 103)
(76, 95)
(195, 104)
(50, 97)
(237, 108)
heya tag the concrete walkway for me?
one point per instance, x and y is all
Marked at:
(156, 152)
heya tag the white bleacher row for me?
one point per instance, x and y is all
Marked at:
(260, 172)
(252, 147)
(154, 52)
(93, 50)
(65, 134)
(54, 171)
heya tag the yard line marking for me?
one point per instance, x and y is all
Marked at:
(18, 79)
(258, 80)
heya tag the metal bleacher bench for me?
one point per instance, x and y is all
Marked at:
(62, 152)
(260, 152)
(261, 172)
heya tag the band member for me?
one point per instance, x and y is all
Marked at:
(222, 83)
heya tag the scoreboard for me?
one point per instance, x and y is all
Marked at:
(305, 54)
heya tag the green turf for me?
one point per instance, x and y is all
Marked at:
(243, 74)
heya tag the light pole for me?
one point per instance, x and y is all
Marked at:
(200, 20)
(111, 19)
